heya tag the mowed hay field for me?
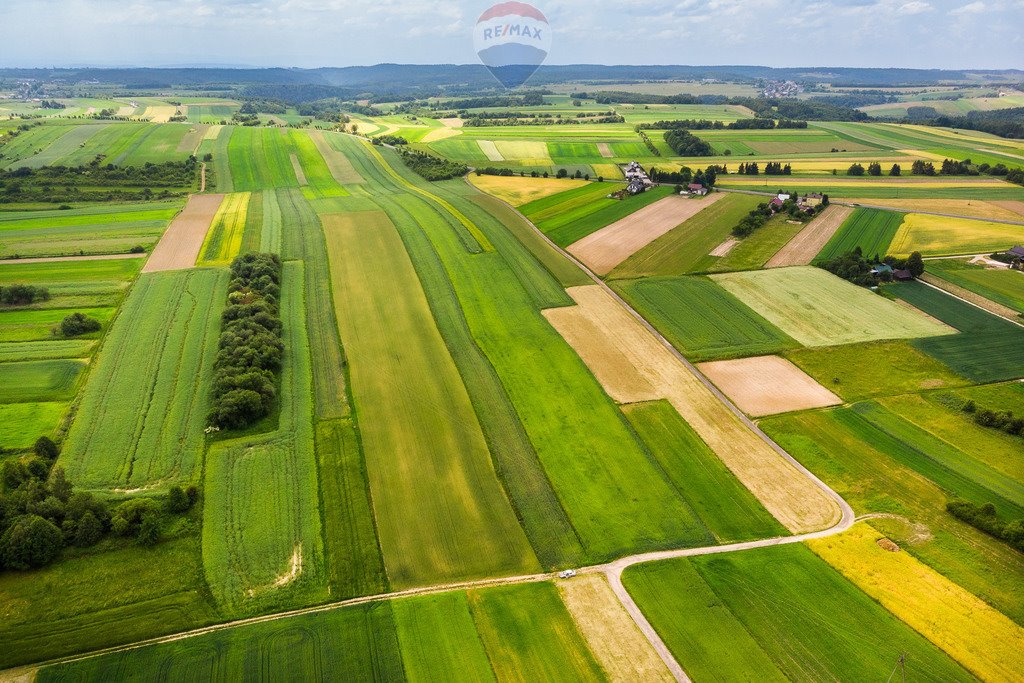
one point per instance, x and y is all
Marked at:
(141, 419)
(975, 208)
(518, 191)
(622, 650)
(983, 640)
(802, 249)
(420, 435)
(180, 245)
(777, 614)
(767, 385)
(633, 366)
(819, 309)
(940, 235)
(601, 251)
(262, 539)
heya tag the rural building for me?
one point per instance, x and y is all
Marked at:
(636, 177)
(1017, 254)
(882, 269)
(697, 189)
(902, 275)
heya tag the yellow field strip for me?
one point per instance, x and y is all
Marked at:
(973, 208)
(224, 240)
(943, 235)
(480, 237)
(982, 639)
(490, 150)
(517, 190)
(633, 366)
(614, 638)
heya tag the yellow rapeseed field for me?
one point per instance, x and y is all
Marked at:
(982, 639)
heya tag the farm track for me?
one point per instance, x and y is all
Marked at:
(613, 570)
(63, 259)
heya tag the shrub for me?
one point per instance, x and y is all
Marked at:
(78, 323)
(23, 295)
(177, 500)
(983, 518)
(30, 542)
(89, 530)
(149, 530)
(46, 448)
(129, 515)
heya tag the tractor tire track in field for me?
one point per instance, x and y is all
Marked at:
(612, 570)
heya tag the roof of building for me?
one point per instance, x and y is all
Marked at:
(1017, 251)
(902, 274)
(695, 186)
(882, 268)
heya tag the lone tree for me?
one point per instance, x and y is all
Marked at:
(45, 448)
(915, 264)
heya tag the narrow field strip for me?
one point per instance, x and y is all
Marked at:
(605, 150)
(490, 150)
(974, 298)
(180, 245)
(618, 645)
(66, 259)
(633, 366)
(802, 249)
(941, 235)
(300, 175)
(341, 168)
(980, 638)
(224, 240)
(601, 251)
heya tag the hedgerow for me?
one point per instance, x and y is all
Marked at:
(250, 349)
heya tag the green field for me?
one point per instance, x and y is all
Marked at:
(701, 319)
(776, 614)
(259, 159)
(262, 537)
(1000, 285)
(23, 423)
(685, 249)
(987, 348)
(754, 251)
(570, 216)
(819, 309)
(29, 325)
(892, 477)
(859, 371)
(870, 229)
(46, 350)
(141, 420)
(40, 380)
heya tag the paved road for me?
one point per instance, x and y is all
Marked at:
(612, 570)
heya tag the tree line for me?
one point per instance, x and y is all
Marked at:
(984, 518)
(708, 124)
(250, 348)
(431, 167)
(686, 144)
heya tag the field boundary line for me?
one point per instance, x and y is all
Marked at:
(61, 259)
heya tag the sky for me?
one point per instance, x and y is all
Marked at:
(983, 34)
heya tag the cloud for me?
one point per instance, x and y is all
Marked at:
(913, 7)
(973, 8)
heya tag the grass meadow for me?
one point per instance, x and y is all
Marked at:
(1002, 286)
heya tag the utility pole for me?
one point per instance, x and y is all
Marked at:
(901, 664)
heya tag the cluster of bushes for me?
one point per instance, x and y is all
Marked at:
(776, 168)
(78, 323)
(393, 140)
(432, 167)
(753, 220)
(578, 175)
(1007, 123)
(250, 349)
(686, 144)
(650, 145)
(984, 518)
(854, 267)
(1004, 420)
(685, 175)
(23, 295)
(41, 513)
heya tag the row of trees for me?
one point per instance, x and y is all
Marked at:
(650, 145)
(41, 513)
(250, 349)
(770, 168)
(686, 144)
(984, 518)
(1004, 421)
(685, 175)
(431, 167)
(97, 181)
(707, 124)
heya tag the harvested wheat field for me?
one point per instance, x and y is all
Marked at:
(605, 150)
(619, 646)
(802, 249)
(633, 365)
(724, 248)
(1015, 207)
(161, 114)
(983, 640)
(451, 123)
(767, 385)
(975, 208)
(212, 131)
(180, 245)
(440, 134)
(125, 111)
(517, 190)
(611, 245)
(490, 150)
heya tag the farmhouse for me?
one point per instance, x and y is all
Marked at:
(902, 275)
(1017, 254)
(637, 178)
(697, 189)
(882, 269)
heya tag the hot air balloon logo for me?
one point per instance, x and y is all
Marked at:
(512, 39)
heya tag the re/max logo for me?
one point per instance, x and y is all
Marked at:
(512, 30)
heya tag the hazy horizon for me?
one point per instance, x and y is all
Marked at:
(922, 34)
